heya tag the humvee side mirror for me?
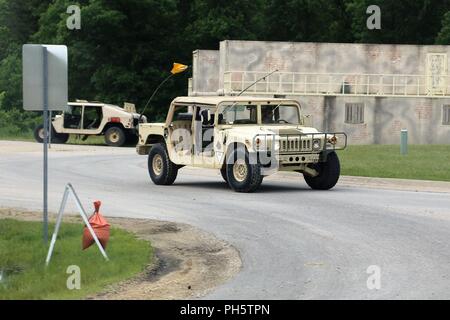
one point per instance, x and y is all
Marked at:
(307, 120)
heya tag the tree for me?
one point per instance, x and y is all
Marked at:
(402, 22)
(123, 50)
(212, 21)
(444, 35)
(307, 20)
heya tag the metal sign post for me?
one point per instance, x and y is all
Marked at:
(50, 130)
(70, 190)
(45, 144)
(45, 88)
(404, 142)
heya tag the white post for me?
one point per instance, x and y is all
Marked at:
(58, 224)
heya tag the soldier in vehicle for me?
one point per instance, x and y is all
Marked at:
(267, 114)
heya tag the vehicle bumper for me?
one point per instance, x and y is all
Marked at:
(142, 149)
(296, 159)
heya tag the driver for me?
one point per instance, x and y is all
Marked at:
(267, 114)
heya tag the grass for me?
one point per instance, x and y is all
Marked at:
(26, 277)
(91, 140)
(423, 162)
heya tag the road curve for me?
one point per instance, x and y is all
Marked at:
(295, 243)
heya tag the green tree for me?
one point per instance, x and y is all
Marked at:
(211, 21)
(444, 35)
(122, 51)
(403, 22)
(307, 20)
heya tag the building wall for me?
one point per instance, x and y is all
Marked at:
(326, 57)
(205, 71)
(384, 118)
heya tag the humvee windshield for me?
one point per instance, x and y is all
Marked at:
(280, 114)
(238, 114)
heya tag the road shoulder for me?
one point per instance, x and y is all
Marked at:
(189, 262)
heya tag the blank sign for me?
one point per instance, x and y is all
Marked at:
(33, 77)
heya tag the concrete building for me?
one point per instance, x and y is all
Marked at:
(369, 91)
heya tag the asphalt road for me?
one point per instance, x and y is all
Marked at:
(295, 243)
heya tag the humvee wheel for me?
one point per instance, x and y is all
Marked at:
(56, 137)
(115, 137)
(60, 138)
(223, 172)
(329, 172)
(162, 171)
(241, 175)
(132, 139)
(39, 133)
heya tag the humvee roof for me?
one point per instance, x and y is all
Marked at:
(215, 100)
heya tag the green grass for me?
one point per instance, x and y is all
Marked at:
(91, 140)
(423, 162)
(22, 255)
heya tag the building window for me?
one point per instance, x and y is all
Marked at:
(354, 113)
(446, 115)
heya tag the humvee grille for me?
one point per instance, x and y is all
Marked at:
(295, 144)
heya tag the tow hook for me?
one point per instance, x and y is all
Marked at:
(310, 171)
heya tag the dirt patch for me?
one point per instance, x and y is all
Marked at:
(188, 262)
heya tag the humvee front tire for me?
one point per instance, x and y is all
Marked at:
(162, 171)
(241, 175)
(115, 137)
(329, 172)
(132, 139)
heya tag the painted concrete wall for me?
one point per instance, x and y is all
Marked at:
(384, 117)
(205, 71)
(325, 57)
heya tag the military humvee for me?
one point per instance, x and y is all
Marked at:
(246, 138)
(118, 125)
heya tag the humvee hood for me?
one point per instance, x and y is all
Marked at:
(281, 130)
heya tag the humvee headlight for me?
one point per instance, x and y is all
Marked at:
(332, 140)
(316, 144)
(257, 143)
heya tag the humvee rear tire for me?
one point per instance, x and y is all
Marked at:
(162, 171)
(241, 175)
(223, 172)
(115, 137)
(329, 172)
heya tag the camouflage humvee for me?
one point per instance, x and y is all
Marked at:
(246, 138)
(118, 125)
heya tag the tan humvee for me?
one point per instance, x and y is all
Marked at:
(246, 138)
(117, 124)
